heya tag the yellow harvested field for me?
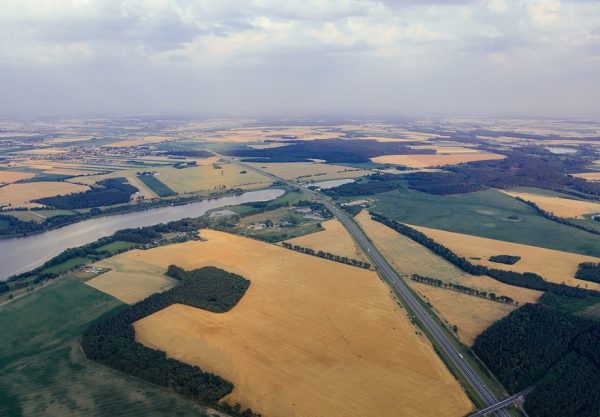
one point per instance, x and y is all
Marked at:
(144, 191)
(334, 239)
(310, 171)
(555, 266)
(472, 315)
(45, 151)
(208, 178)
(7, 177)
(310, 337)
(408, 258)
(590, 176)
(69, 139)
(20, 195)
(562, 207)
(424, 161)
(130, 280)
(200, 178)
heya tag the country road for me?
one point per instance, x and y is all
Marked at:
(495, 407)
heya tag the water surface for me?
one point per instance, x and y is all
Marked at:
(22, 254)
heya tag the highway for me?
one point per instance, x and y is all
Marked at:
(494, 407)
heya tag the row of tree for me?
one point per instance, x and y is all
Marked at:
(111, 341)
(327, 255)
(557, 219)
(527, 279)
(435, 282)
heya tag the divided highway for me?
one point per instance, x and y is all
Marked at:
(495, 406)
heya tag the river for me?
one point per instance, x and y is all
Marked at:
(22, 254)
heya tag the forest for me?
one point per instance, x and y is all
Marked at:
(110, 191)
(330, 150)
(524, 167)
(538, 344)
(588, 271)
(111, 341)
(505, 259)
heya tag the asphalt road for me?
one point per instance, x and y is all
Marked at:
(408, 299)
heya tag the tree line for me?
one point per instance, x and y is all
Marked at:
(435, 282)
(327, 255)
(557, 219)
(111, 341)
(526, 279)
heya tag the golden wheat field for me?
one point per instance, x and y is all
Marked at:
(200, 178)
(310, 171)
(590, 176)
(7, 177)
(562, 207)
(130, 280)
(553, 265)
(424, 161)
(21, 194)
(408, 258)
(334, 239)
(144, 191)
(310, 337)
(472, 315)
(209, 178)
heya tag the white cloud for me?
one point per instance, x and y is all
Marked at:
(308, 46)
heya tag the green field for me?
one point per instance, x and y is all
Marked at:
(486, 214)
(156, 185)
(44, 373)
(66, 265)
(116, 246)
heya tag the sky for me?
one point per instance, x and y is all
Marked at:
(300, 57)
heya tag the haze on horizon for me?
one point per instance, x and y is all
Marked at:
(270, 57)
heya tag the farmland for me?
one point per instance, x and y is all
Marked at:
(409, 257)
(425, 161)
(471, 315)
(210, 178)
(491, 214)
(7, 177)
(21, 195)
(562, 207)
(334, 239)
(43, 371)
(310, 171)
(357, 333)
(129, 280)
(555, 266)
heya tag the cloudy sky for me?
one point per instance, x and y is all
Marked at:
(276, 57)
